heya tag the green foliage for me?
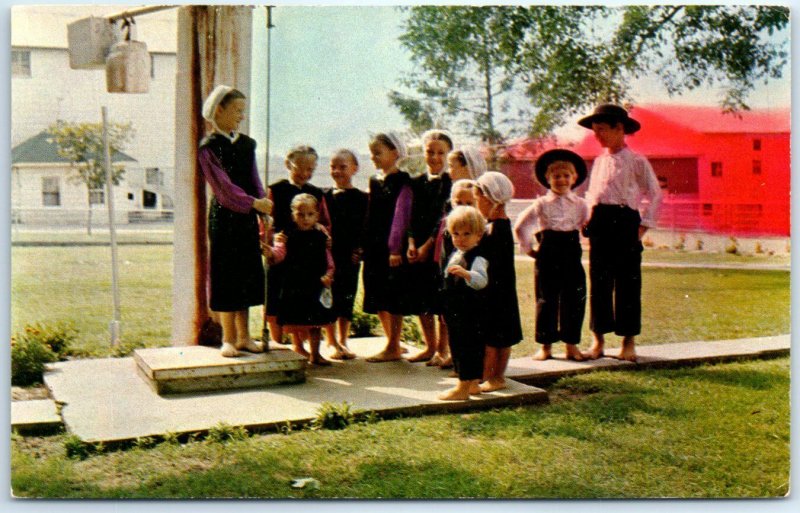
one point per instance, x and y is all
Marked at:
(29, 354)
(170, 438)
(126, 348)
(223, 433)
(333, 416)
(363, 324)
(145, 442)
(410, 331)
(57, 337)
(569, 58)
(77, 448)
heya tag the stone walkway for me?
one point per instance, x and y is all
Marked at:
(106, 400)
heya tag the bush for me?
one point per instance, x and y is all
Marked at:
(333, 416)
(698, 245)
(223, 432)
(733, 246)
(28, 358)
(680, 244)
(124, 349)
(76, 448)
(363, 324)
(411, 332)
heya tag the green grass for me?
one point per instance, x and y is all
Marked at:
(705, 432)
(73, 284)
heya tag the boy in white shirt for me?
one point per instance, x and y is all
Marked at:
(555, 220)
(620, 180)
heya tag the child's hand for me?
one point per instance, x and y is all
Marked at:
(395, 260)
(327, 280)
(457, 270)
(356, 255)
(266, 250)
(411, 254)
(280, 238)
(322, 229)
(263, 205)
(423, 252)
(329, 242)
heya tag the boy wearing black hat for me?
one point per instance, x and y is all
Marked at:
(619, 181)
(556, 219)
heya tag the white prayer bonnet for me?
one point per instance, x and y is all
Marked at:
(436, 133)
(398, 143)
(213, 100)
(475, 161)
(496, 186)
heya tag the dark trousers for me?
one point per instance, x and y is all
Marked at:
(615, 270)
(560, 288)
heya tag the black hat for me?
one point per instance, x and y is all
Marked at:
(610, 113)
(548, 157)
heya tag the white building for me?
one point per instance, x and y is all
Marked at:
(44, 89)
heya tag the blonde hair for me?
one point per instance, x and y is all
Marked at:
(561, 164)
(466, 217)
(301, 151)
(303, 199)
(462, 185)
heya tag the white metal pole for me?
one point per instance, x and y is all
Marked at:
(114, 326)
(265, 336)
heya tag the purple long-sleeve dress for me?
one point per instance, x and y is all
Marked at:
(236, 271)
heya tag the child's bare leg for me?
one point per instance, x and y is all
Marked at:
(343, 324)
(275, 329)
(298, 335)
(573, 353)
(314, 337)
(340, 352)
(489, 360)
(392, 325)
(544, 353)
(628, 351)
(243, 341)
(442, 356)
(428, 324)
(497, 380)
(330, 335)
(226, 319)
(460, 392)
(597, 349)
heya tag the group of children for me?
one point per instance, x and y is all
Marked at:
(438, 246)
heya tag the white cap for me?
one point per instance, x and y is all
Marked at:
(216, 96)
(398, 143)
(430, 134)
(475, 161)
(496, 186)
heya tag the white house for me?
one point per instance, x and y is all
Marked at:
(44, 89)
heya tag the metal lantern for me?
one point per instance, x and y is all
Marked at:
(128, 64)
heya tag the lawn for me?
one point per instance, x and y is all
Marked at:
(73, 285)
(708, 432)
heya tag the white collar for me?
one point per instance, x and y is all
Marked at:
(570, 196)
(232, 137)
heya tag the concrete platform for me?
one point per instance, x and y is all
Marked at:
(37, 416)
(170, 370)
(681, 354)
(106, 400)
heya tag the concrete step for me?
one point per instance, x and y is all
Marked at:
(173, 370)
(35, 417)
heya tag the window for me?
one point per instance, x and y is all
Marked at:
(20, 63)
(149, 199)
(97, 197)
(756, 167)
(708, 209)
(716, 169)
(154, 176)
(152, 66)
(756, 144)
(51, 191)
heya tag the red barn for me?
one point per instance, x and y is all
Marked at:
(722, 173)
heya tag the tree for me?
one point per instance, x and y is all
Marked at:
(82, 145)
(464, 83)
(570, 58)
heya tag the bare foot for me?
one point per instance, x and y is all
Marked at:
(342, 353)
(422, 356)
(435, 361)
(319, 360)
(447, 363)
(627, 354)
(475, 389)
(386, 356)
(452, 374)
(455, 394)
(493, 384)
(543, 354)
(594, 353)
(251, 346)
(574, 354)
(349, 355)
(302, 352)
(228, 351)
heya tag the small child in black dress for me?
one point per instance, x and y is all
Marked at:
(347, 207)
(494, 190)
(227, 159)
(305, 304)
(301, 161)
(464, 301)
